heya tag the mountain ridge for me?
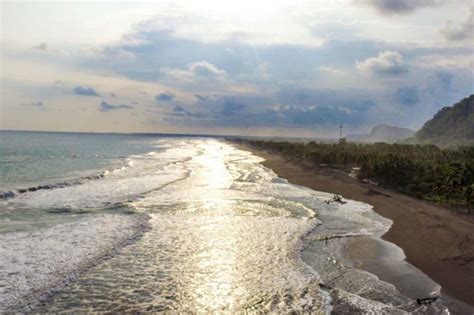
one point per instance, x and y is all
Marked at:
(451, 126)
(383, 133)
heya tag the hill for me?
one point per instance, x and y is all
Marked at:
(450, 127)
(383, 133)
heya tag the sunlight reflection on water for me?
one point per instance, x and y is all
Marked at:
(226, 238)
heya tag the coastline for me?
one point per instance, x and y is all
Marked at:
(429, 235)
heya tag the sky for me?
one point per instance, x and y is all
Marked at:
(266, 68)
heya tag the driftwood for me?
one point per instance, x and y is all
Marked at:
(336, 198)
(426, 300)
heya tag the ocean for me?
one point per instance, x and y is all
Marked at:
(143, 223)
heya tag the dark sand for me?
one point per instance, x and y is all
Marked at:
(430, 235)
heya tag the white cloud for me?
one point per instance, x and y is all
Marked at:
(196, 71)
(205, 69)
(331, 70)
(386, 63)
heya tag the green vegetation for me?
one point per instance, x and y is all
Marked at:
(423, 171)
(450, 127)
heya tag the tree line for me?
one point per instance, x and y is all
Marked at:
(423, 171)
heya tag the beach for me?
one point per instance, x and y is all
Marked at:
(135, 224)
(438, 241)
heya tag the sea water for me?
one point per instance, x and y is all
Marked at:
(130, 223)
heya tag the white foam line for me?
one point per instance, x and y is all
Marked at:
(33, 265)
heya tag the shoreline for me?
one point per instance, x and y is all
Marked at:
(430, 235)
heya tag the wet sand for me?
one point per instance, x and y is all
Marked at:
(436, 240)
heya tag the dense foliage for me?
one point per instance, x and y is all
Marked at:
(450, 127)
(423, 171)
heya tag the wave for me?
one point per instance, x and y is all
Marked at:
(128, 161)
(42, 262)
(140, 175)
(77, 181)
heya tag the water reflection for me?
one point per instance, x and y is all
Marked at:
(227, 238)
(214, 282)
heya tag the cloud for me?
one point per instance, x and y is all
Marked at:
(180, 112)
(166, 96)
(315, 97)
(280, 109)
(179, 109)
(205, 69)
(230, 65)
(390, 7)
(105, 107)
(196, 71)
(305, 116)
(116, 55)
(41, 46)
(38, 104)
(465, 31)
(231, 106)
(45, 48)
(201, 97)
(331, 70)
(234, 83)
(407, 96)
(306, 107)
(113, 94)
(386, 63)
(86, 91)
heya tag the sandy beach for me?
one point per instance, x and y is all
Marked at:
(438, 241)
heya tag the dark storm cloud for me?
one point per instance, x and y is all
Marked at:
(105, 107)
(407, 96)
(166, 96)
(86, 91)
(398, 6)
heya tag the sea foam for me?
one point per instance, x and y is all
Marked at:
(35, 264)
